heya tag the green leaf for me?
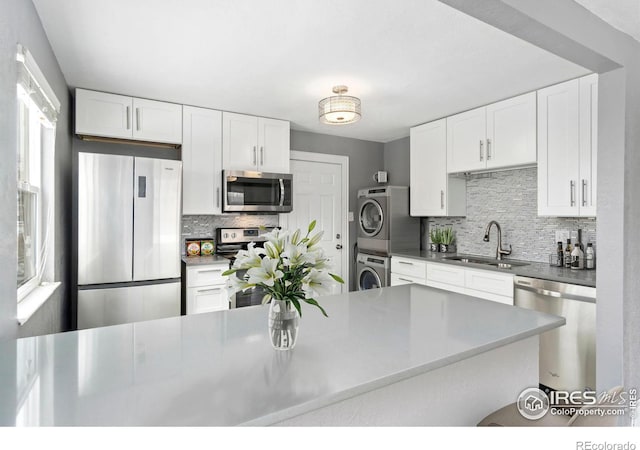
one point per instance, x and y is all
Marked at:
(295, 237)
(312, 225)
(337, 278)
(296, 303)
(266, 298)
(313, 302)
(229, 272)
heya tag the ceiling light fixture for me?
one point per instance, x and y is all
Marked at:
(339, 109)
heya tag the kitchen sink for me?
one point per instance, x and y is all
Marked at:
(504, 264)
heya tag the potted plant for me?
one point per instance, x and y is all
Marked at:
(291, 269)
(435, 235)
(447, 240)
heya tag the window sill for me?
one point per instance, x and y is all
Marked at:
(36, 298)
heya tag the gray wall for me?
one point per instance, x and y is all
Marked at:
(365, 158)
(568, 30)
(19, 23)
(511, 198)
(396, 161)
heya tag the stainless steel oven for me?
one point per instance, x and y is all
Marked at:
(248, 191)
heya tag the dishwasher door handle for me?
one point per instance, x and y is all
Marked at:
(555, 294)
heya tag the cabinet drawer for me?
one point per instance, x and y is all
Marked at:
(407, 266)
(206, 275)
(207, 299)
(399, 279)
(491, 282)
(442, 273)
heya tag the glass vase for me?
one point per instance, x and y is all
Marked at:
(283, 324)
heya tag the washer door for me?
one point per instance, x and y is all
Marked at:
(371, 218)
(368, 279)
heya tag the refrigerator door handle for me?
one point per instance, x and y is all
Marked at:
(142, 187)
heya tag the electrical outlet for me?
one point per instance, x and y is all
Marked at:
(351, 216)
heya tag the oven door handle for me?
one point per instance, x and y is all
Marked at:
(281, 202)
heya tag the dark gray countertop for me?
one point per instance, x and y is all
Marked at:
(203, 260)
(532, 269)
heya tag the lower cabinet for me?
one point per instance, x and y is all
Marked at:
(206, 288)
(486, 284)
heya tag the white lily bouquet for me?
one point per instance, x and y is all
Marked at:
(289, 267)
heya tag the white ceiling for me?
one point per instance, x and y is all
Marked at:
(410, 61)
(621, 14)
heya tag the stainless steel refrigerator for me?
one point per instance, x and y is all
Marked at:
(129, 214)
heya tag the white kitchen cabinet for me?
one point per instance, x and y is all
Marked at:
(201, 161)
(206, 288)
(432, 191)
(407, 270)
(567, 148)
(255, 143)
(117, 116)
(496, 136)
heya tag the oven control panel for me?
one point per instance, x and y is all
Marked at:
(241, 235)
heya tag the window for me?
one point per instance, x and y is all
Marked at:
(37, 113)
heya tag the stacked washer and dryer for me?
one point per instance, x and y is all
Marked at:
(384, 226)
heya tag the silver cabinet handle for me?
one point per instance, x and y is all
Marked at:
(261, 156)
(488, 149)
(255, 157)
(584, 192)
(441, 199)
(405, 279)
(209, 270)
(128, 118)
(218, 197)
(407, 263)
(138, 119)
(200, 291)
(481, 155)
(572, 186)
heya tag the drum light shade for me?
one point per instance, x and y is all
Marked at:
(339, 109)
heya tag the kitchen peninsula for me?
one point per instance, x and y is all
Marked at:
(404, 355)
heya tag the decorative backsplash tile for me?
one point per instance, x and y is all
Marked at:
(194, 227)
(510, 198)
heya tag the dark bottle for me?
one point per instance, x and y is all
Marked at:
(560, 253)
(579, 244)
(567, 254)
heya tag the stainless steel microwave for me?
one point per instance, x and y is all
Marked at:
(248, 191)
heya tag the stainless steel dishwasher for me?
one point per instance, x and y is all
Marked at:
(567, 354)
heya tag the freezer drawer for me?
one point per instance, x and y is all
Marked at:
(156, 223)
(105, 218)
(113, 306)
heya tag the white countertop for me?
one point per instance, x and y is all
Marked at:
(219, 368)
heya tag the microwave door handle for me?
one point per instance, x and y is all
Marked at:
(281, 203)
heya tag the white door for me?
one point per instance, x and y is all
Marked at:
(157, 121)
(318, 195)
(239, 142)
(102, 114)
(466, 134)
(511, 132)
(273, 142)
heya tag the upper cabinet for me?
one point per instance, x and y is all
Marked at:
(255, 143)
(500, 135)
(433, 192)
(117, 116)
(201, 161)
(567, 148)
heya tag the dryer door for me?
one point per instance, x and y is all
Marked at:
(368, 279)
(371, 218)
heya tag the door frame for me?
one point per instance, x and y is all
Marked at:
(343, 162)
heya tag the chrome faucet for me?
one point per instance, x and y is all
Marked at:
(499, 250)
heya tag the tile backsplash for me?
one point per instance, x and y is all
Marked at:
(194, 227)
(510, 198)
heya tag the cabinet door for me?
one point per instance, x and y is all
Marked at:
(511, 132)
(273, 145)
(201, 161)
(157, 121)
(558, 152)
(428, 169)
(102, 114)
(491, 282)
(399, 280)
(207, 299)
(588, 144)
(466, 134)
(239, 142)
